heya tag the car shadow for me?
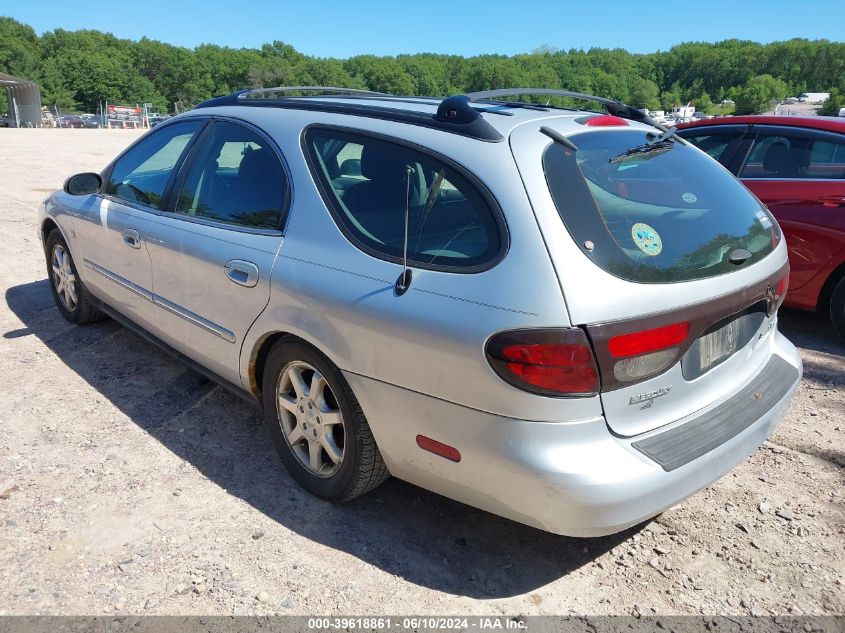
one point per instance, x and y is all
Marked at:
(810, 330)
(813, 331)
(404, 530)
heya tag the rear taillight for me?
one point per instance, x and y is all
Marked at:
(780, 293)
(783, 286)
(553, 362)
(646, 352)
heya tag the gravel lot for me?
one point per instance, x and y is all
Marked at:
(129, 484)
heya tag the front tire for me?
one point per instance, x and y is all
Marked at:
(71, 296)
(317, 426)
(837, 308)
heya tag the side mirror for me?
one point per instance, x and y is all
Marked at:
(83, 184)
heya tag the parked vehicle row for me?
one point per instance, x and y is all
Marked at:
(562, 317)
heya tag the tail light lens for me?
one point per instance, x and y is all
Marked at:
(636, 343)
(553, 362)
(646, 352)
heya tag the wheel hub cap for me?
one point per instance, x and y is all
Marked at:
(309, 419)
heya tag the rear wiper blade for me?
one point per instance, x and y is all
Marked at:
(657, 145)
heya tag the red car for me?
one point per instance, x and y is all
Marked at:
(796, 166)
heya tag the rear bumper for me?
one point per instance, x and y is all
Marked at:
(571, 478)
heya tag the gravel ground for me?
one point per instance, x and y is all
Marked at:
(129, 484)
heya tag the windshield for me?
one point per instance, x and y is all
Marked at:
(667, 214)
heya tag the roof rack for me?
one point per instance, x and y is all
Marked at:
(616, 108)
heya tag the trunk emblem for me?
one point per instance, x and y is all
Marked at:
(649, 396)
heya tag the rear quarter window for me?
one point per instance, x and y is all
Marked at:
(367, 183)
(666, 215)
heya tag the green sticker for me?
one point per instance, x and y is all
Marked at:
(646, 239)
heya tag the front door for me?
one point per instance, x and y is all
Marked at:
(213, 253)
(113, 226)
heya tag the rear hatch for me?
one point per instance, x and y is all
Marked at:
(674, 269)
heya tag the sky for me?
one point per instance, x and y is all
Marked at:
(351, 27)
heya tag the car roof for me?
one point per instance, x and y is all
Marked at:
(831, 124)
(496, 121)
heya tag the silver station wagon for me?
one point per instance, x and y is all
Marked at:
(564, 317)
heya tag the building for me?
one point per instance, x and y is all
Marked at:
(24, 99)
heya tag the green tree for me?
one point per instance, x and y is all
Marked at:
(77, 69)
(759, 93)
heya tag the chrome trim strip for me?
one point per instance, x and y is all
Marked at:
(174, 308)
(830, 180)
(194, 318)
(138, 290)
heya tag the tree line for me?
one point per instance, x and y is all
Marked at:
(78, 69)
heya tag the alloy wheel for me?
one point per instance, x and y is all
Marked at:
(310, 418)
(64, 279)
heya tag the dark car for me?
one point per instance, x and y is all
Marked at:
(4, 121)
(796, 166)
(91, 121)
(71, 120)
(156, 120)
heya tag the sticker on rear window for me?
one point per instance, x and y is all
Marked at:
(764, 219)
(646, 239)
(689, 198)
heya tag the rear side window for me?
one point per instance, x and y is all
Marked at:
(235, 178)
(716, 143)
(368, 183)
(667, 214)
(141, 175)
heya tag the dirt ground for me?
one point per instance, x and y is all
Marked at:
(129, 484)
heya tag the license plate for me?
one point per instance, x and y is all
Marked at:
(717, 345)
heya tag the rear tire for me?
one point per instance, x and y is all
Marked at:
(837, 308)
(71, 296)
(317, 426)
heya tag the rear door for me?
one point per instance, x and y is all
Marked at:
(800, 175)
(722, 143)
(213, 251)
(643, 238)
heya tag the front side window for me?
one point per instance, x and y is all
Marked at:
(793, 155)
(658, 212)
(368, 183)
(140, 176)
(236, 178)
(827, 160)
(773, 156)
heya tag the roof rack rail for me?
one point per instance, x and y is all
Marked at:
(616, 108)
(237, 98)
(454, 114)
(326, 90)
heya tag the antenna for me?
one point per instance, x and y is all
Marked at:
(404, 281)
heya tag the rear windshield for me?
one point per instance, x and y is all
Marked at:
(666, 213)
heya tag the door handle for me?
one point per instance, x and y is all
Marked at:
(832, 201)
(132, 238)
(241, 272)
